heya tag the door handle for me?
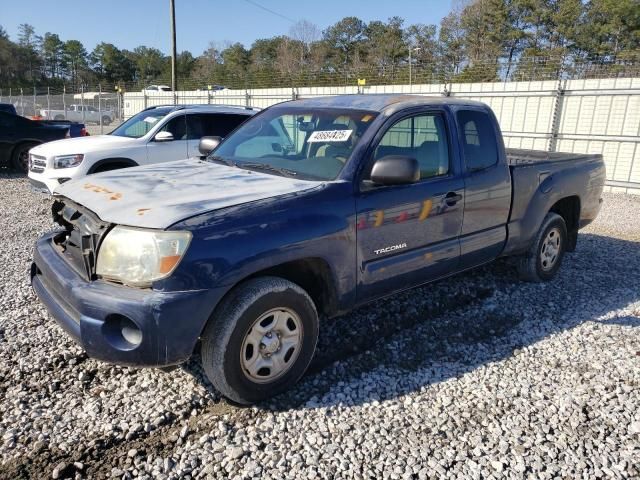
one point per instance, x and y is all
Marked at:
(452, 198)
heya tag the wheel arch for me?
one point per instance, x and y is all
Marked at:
(313, 274)
(569, 209)
(117, 162)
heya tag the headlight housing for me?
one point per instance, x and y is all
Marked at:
(67, 161)
(138, 257)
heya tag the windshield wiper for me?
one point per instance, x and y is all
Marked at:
(265, 166)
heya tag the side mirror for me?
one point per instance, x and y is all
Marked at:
(208, 144)
(395, 170)
(164, 137)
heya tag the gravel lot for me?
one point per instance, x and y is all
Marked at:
(477, 376)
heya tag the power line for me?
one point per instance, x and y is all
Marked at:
(255, 4)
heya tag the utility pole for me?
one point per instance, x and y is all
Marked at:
(411, 49)
(174, 79)
(410, 62)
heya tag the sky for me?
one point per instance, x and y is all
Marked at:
(130, 23)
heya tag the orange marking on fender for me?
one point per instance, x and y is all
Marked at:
(379, 218)
(426, 210)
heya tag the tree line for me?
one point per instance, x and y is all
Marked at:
(479, 40)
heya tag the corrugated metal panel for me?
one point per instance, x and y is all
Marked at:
(592, 115)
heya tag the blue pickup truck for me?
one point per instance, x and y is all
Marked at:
(308, 210)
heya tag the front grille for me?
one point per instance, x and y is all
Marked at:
(37, 163)
(81, 237)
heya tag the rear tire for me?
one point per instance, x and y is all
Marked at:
(544, 257)
(59, 117)
(20, 157)
(260, 340)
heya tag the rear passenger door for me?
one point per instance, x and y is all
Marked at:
(209, 125)
(408, 234)
(487, 186)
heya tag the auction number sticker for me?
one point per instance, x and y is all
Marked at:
(330, 136)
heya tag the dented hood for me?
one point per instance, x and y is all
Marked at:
(157, 196)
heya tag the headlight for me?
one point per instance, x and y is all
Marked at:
(138, 257)
(67, 161)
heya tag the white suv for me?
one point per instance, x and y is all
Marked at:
(156, 134)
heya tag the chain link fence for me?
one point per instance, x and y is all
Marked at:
(94, 107)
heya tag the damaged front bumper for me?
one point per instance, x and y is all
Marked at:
(115, 323)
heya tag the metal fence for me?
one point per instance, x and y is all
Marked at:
(89, 106)
(580, 116)
(599, 115)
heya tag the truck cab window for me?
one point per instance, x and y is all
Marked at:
(478, 139)
(422, 137)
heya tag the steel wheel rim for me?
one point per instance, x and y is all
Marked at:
(550, 250)
(271, 345)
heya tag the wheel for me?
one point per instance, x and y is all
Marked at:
(20, 157)
(59, 117)
(106, 121)
(542, 262)
(260, 340)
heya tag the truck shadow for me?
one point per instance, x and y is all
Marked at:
(451, 327)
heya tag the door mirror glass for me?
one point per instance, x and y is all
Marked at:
(164, 137)
(208, 144)
(395, 170)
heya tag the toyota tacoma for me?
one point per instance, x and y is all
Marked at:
(308, 210)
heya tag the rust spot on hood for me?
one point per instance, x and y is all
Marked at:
(100, 189)
(142, 211)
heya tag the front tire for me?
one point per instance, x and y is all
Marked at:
(20, 157)
(260, 340)
(544, 257)
(106, 121)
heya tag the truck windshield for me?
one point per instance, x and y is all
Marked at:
(140, 124)
(312, 144)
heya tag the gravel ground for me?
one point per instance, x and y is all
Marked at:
(477, 376)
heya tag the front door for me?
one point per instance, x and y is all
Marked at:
(408, 234)
(167, 151)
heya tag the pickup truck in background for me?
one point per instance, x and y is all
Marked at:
(18, 135)
(80, 113)
(309, 209)
(8, 108)
(157, 134)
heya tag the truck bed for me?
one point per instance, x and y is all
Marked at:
(519, 156)
(538, 175)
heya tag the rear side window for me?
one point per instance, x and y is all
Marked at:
(212, 124)
(478, 139)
